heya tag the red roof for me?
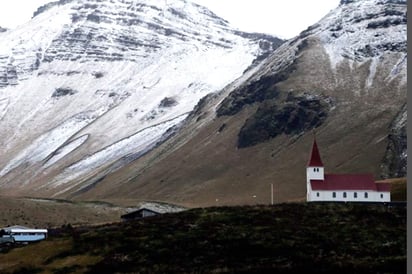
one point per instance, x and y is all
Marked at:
(349, 182)
(315, 156)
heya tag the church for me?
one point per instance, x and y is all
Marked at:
(341, 187)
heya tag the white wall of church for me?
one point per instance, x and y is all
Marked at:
(314, 173)
(349, 196)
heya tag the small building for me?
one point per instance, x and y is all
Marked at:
(341, 187)
(139, 214)
(23, 234)
(147, 209)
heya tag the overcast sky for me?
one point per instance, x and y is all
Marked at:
(284, 18)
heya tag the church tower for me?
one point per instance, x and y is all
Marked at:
(314, 168)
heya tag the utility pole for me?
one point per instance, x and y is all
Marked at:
(271, 193)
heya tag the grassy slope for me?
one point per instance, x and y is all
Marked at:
(51, 213)
(331, 238)
(398, 188)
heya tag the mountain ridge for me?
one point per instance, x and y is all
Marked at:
(341, 62)
(344, 77)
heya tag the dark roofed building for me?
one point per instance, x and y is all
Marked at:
(139, 214)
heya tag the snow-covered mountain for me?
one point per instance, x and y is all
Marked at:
(97, 102)
(343, 78)
(87, 83)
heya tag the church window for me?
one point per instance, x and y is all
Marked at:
(344, 194)
(381, 196)
(317, 194)
(366, 194)
(355, 195)
(334, 194)
(314, 169)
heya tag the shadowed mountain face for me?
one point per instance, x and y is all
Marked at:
(343, 78)
(87, 84)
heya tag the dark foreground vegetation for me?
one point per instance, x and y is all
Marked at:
(286, 238)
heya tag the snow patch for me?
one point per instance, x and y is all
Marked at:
(372, 72)
(3, 107)
(399, 68)
(139, 142)
(346, 32)
(47, 143)
(65, 150)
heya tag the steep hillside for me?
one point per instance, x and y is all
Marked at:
(89, 83)
(344, 78)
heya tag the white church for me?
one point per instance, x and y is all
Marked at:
(341, 187)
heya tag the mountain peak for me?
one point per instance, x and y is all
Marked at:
(381, 22)
(89, 83)
(47, 6)
(345, 2)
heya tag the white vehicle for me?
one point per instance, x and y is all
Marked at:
(24, 234)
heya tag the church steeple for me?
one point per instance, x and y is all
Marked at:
(315, 160)
(315, 169)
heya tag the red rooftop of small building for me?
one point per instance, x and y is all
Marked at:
(349, 182)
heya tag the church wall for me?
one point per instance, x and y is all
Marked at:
(315, 173)
(372, 196)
